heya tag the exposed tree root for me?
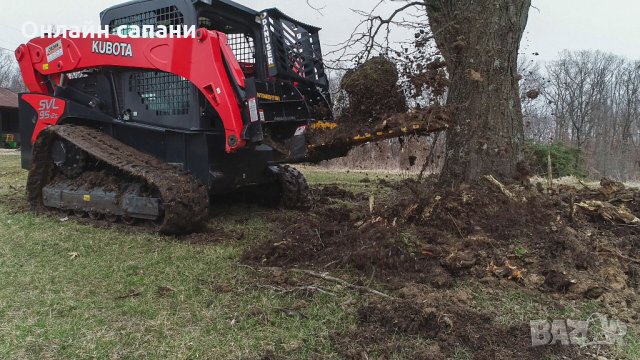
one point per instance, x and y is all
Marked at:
(341, 282)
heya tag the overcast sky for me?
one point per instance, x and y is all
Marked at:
(554, 25)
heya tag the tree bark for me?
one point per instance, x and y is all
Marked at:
(479, 40)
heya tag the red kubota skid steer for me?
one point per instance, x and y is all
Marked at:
(147, 128)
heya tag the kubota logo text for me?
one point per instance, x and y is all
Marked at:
(112, 48)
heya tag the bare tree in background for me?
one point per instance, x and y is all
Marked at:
(595, 100)
(585, 99)
(10, 77)
(626, 112)
(479, 41)
(579, 83)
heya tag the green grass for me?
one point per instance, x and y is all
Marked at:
(461, 354)
(515, 306)
(356, 181)
(54, 305)
(630, 348)
(520, 251)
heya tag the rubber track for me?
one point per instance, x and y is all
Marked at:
(184, 198)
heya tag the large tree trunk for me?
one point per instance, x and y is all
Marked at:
(479, 40)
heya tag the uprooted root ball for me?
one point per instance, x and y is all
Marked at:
(373, 91)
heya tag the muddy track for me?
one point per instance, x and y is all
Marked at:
(184, 198)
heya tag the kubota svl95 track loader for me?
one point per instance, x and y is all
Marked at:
(131, 128)
(147, 128)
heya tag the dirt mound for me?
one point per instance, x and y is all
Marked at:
(422, 232)
(324, 194)
(333, 236)
(421, 242)
(429, 235)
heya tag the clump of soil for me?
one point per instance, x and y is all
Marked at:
(421, 241)
(373, 92)
(533, 94)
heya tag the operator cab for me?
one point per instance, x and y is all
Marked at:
(243, 35)
(278, 54)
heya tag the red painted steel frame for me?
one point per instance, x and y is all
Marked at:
(199, 60)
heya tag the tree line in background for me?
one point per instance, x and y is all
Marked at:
(589, 101)
(583, 108)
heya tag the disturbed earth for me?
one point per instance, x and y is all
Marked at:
(457, 273)
(460, 272)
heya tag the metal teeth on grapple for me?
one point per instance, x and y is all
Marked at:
(184, 199)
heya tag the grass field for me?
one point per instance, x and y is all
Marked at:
(70, 290)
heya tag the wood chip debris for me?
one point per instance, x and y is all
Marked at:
(610, 212)
(509, 271)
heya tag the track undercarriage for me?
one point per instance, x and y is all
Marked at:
(86, 171)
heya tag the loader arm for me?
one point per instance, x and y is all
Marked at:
(202, 60)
